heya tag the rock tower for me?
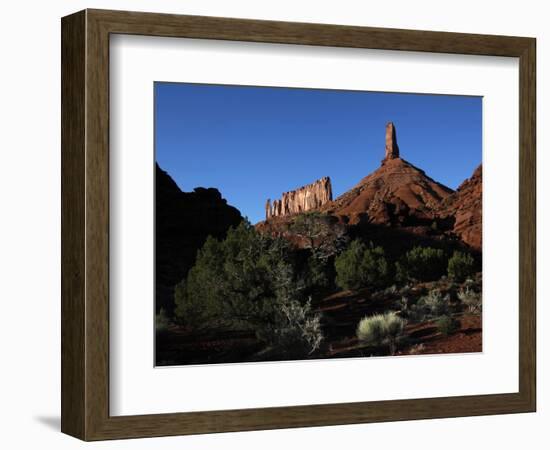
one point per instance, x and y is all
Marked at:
(392, 149)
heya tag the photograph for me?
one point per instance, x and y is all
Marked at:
(306, 224)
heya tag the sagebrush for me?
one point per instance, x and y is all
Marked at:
(381, 329)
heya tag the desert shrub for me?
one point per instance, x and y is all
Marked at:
(320, 232)
(249, 281)
(405, 289)
(381, 329)
(162, 321)
(404, 303)
(361, 266)
(318, 273)
(421, 264)
(371, 329)
(436, 303)
(198, 298)
(392, 290)
(447, 325)
(470, 299)
(190, 310)
(461, 266)
(417, 349)
(431, 306)
(298, 330)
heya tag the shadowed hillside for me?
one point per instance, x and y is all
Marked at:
(183, 222)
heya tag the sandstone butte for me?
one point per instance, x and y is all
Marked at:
(397, 189)
(396, 194)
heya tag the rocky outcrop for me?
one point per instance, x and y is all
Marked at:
(183, 222)
(397, 193)
(465, 208)
(306, 198)
(396, 203)
(392, 149)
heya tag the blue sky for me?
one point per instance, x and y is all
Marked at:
(253, 143)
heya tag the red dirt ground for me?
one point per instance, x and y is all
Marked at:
(341, 312)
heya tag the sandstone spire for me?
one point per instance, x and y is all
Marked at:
(392, 149)
(306, 198)
(268, 209)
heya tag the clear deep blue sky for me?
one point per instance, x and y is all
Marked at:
(253, 143)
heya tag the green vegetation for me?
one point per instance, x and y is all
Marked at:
(431, 306)
(324, 236)
(421, 264)
(447, 325)
(250, 281)
(470, 299)
(381, 329)
(271, 289)
(361, 266)
(162, 322)
(403, 304)
(461, 266)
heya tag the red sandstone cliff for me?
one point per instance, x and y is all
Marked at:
(395, 192)
(306, 198)
(397, 195)
(465, 207)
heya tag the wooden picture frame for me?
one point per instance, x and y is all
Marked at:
(85, 224)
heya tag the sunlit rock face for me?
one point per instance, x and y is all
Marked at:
(306, 198)
(398, 203)
(465, 206)
(392, 149)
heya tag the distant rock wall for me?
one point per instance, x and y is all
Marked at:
(306, 198)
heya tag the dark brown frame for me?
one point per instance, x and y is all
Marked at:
(85, 224)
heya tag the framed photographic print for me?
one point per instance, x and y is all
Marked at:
(271, 224)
